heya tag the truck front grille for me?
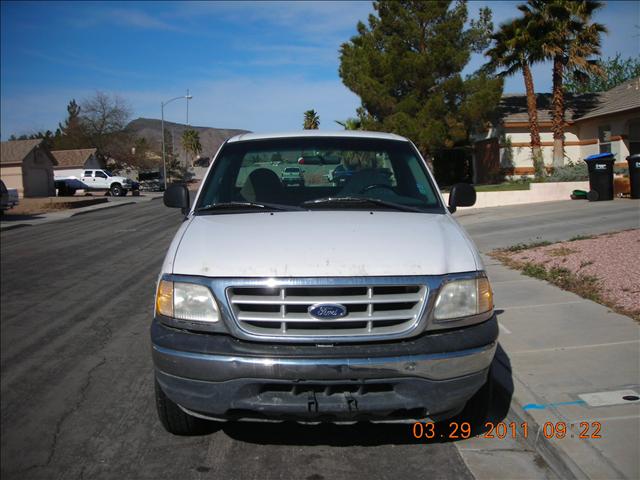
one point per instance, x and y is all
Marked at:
(283, 311)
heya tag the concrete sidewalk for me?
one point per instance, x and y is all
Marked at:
(8, 222)
(556, 347)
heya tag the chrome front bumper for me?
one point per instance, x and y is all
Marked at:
(220, 368)
(217, 376)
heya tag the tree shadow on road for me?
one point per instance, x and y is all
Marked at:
(13, 217)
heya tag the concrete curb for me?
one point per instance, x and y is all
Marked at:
(90, 209)
(12, 227)
(561, 463)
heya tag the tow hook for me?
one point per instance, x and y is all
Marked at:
(312, 402)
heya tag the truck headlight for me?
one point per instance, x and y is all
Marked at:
(463, 298)
(186, 301)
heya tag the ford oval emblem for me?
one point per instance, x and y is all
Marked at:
(327, 311)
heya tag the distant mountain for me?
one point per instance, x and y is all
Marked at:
(210, 138)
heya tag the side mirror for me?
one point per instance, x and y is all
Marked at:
(462, 195)
(177, 196)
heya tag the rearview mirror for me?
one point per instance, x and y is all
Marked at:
(177, 196)
(461, 195)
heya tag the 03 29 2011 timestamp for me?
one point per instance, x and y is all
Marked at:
(503, 430)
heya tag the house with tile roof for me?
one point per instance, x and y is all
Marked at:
(76, 159)
(595, 123)
(27, 165)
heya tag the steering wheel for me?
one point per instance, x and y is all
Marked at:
(377, 185)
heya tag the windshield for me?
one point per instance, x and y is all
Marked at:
(336, 173)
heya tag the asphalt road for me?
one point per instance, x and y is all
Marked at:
(76, 372)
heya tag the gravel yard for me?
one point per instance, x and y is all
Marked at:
(605, 268)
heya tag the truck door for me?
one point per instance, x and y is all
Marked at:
(101, 179)
(87, 178)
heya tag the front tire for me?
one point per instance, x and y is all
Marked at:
(116, 190)
(175, 420)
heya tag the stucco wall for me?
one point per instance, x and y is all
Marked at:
(619, 128)
(12, 177)
(581, 140)
(538, 192)
(37, 174)
(520, 139)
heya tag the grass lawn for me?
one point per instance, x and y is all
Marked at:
(502, 187)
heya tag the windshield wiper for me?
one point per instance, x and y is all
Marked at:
(246, 205)
(359, 201)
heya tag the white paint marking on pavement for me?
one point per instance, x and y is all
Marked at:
(576, 347)
(504, 329)
(602, 419)
(516, 307)
(615, 397)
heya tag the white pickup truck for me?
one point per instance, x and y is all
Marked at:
(358, 300)
(68, 181)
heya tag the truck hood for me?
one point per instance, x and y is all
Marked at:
(323, 244)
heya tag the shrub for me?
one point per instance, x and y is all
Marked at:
(570, 173)
(538, 167)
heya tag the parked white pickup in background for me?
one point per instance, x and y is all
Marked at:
(92, 179)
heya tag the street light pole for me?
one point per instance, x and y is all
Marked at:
(162, 104)
(188, 97)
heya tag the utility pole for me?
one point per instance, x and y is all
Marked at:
(186, 153)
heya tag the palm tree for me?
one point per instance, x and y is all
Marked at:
(350, 124)
(191, 141)
(311, 120)
(569, 39)
(516, 48)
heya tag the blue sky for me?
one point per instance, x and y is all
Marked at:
(251, 65)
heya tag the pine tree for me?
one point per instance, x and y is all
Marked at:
(406, 68)
(71, 134)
